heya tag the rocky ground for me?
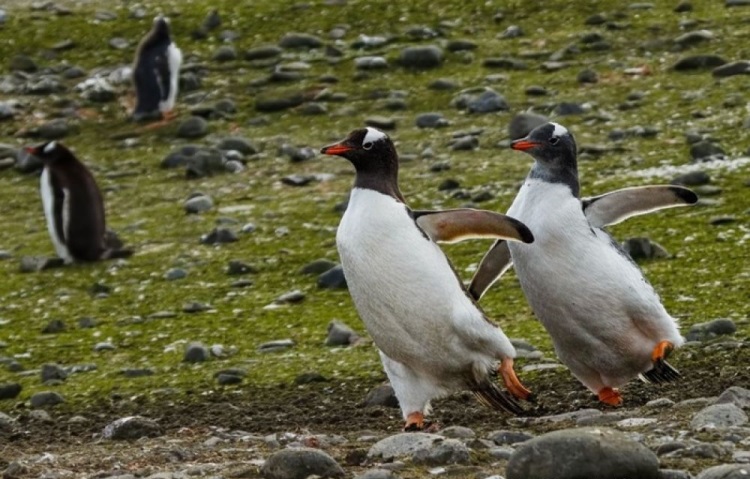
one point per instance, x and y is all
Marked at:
(230, 335)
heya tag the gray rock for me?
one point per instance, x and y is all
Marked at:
(198, 203)
(458, 432)
(270, 104)
(718, 416)
(339, 334)
(569, 108)
(53, 372)
(513, 31)
(706, 150)
(449, 451)
(298, 155)
(104, 346)
(196, 353)
(53, 327)
(431, 120)
(741, 67)
(136, 372)
(23, 63)
(7, 423)
(711, 329)
(131, 428)
(219, 236)
(381, 396)
(421, 57)
(46, 398)
(587, 76)
(292, 297)
(465, 143)
(193, 127)
(300, 40)
(694, 178)
(726, 471)
(486, 100)
(311, 377)
(173, 274)
(443, 84)
(225, 53)
(584, 452)
(33, 264)
(736, 395)
(460, 45)
(119, 43)
(236, 267)
(52, 130)
(262, 53)
(675, 474)
(9, 391)
(502, 438)
(381, 122)
(684, 6)
(698, 62)
(377, 474)
(228, 379)
(404, 444)
(277, 345)
(243, 145)
(317, 267)
(695, 37)
(333, 278)
(505, 63)
(644, 248)
(300, 463)
(195, 307)
(370, 63)
(522, 124)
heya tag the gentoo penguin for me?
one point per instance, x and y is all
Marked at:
(432, 337)
(606, 321)
(156, 73)
(73, 207)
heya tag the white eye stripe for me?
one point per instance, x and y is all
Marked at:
(50, 147)
(372, 136)
(559, 129)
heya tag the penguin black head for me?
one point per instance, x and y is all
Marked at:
(161, 27)
(374, 156)
(52, 152)
(554, 149)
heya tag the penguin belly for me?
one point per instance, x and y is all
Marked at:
(51, 196)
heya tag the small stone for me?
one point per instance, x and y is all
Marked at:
(736, 395)
(174, 274)
(582, 452)
(300, 463)
(693, 38)
(466, 143)
(53, 372)
(706, 150)
(661, 403)
(196, 353)
(377, 474)
(726, 471)
(741, 67)
(694, 178)
(449, 451)
(46, 398)
(195, 307)
(9, 391)
(698, 62)
(458, 432)
(278, 345)
(193, 127)
(513, 31)
(502, 438)
(722, 220)
(198, 203)
(53, 327)
(587, 76)
(104, 346)
(339, 334)
(403, 444)
(225, 53)
(443, 84)
(119, 43)
(333, 278)
(718, 416)
(381, 396)
(308, 378)
(228, 379)
(644, 248)
(370, 63)
(684, 6)
(262, 52)
(52, 130)
(219, 236)
(317, 267)
(236, 267)
(569, 108)
(299, 40)
(421, 57)
(431, 120)
(711, 329)
(243, 145)
(381, 122)
(131, 428)
(292, 297)
(448, 184)
(136, 372)
(522, 124)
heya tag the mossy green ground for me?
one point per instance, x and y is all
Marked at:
(708, 277)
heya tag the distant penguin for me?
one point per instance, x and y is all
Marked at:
(156, 73)
(607, 323)
(433, 338)
(74, 208)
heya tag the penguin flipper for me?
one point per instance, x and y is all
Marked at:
(450, 226)
(616, 206)
(496, 261)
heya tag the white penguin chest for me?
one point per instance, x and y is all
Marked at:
(48, 202)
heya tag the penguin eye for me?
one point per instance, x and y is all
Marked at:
(554, 140)
(367, 145)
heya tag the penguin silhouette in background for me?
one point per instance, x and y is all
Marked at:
(74, 208)
(156, 74)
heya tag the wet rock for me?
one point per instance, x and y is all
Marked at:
(381, 396)
(736, 395)
(694, 178)
(9, 391)
(333, 279)
(339, 334)
(421, 57)
(711, 329)
(698, 62)
(317, 267)
(300, 40)
(726, 471)
(644, 248)
(300, 463)
(53, 372)
(131, 428)
(404, 444)
(718, 416)
(583, 452)
(196, 353)
(46, 398)
(741, 67)
(431, 120)
(219, 236)
(193, 127)
(449, 451)
(198, 203)
(522, 124)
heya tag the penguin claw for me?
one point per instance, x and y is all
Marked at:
(414, 422)
(610, 396)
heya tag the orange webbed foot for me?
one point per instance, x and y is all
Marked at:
(511, 381)
(414, 422)
(611, 397)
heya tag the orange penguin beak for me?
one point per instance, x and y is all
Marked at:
(336, 149)
(32, 150)
(523, 145)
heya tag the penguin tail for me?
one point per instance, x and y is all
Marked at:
(117, 253)
(662, 372)
(490, 395)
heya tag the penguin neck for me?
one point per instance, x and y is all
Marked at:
(566, 175)
(380, 180)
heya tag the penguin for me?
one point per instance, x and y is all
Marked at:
(73, 207)
(156, 73)
(606, 321)
(432, 337)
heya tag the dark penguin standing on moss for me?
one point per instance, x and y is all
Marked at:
(74, 208)
(156, 73)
